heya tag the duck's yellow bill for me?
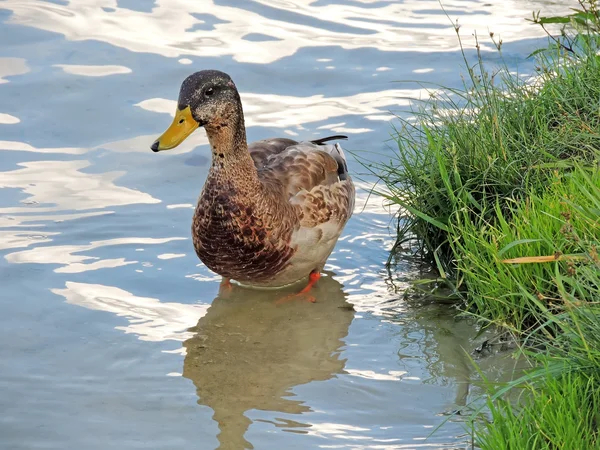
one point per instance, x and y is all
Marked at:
(183, 125)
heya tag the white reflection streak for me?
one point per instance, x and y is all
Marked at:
(411, 446)
(72, 263)
(20, 239)
(150, 319)
(30, 220)
(394, 375)
(62, 184)
(12, 66)
(171, 255)
(7, 119)
(23, 147)
(164, 30)
(336, 430)
(93, 71)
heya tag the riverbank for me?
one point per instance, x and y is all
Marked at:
(499, 185)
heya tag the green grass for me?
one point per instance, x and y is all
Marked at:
(489, 145)
(553, 306)
(560, 399)
(558, 223)
(499, 184)
(560, 416)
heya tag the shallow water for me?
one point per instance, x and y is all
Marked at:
(113, 334)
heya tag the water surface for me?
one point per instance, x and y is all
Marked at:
(113, 334)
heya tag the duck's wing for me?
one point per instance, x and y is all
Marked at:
(312, 176)
(261, 151)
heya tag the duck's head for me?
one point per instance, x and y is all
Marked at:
(206, 98)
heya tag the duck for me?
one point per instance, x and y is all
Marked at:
(270, 212)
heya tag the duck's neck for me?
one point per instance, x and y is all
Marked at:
(230, 156)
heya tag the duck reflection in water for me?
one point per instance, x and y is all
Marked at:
(249, 352)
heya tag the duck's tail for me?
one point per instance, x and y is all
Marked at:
(328, 138)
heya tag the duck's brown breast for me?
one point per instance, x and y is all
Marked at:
(234, 235)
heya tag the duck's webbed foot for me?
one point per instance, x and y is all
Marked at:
(304, 294)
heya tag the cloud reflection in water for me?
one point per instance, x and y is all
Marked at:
(93, 71)
(10, 67)
(64, 185)
(150, 319)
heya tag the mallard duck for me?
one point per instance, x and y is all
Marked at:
(271, 212)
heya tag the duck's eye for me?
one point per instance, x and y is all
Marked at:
(210, 91)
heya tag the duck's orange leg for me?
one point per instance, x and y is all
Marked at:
(312, 280)
(226, 287)
(304, 293)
